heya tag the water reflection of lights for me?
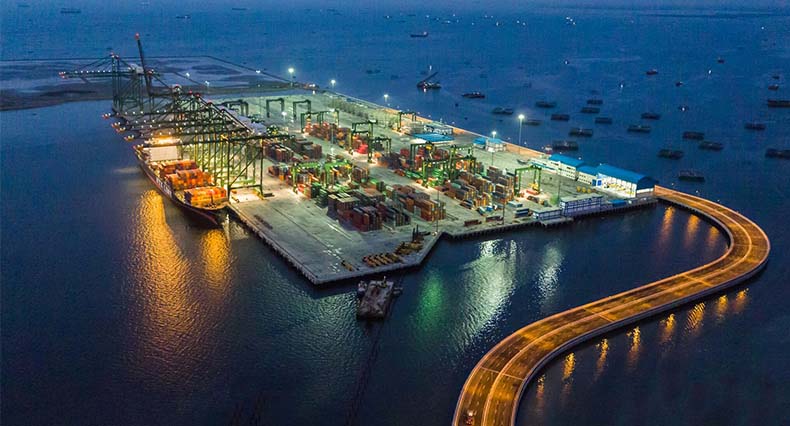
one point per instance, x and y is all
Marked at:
(665, 232)
(692, 226)
(636, 346)
(495, 274)
(740, 301)
(162, 284)
(540, 389)
(668, 328)
(694, 319)
(548, 276)
(721, 308)
(215, 249)
(567, 374)
(603, 348)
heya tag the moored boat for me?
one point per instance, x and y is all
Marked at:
(691, 175)
(672, 154)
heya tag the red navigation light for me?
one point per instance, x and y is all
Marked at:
(137, 36)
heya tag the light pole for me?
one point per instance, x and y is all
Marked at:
(293, 77)
(520, 125)
(493, 136)
(332, 82)
(386, 97)
(207, 86)
(284, 114)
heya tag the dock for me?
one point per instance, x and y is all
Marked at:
(495, 386)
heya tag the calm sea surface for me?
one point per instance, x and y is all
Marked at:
(117, 309)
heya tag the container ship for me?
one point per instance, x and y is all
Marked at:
(183, 182)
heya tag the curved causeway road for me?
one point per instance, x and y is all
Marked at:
(493, 389)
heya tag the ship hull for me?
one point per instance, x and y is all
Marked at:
(211, 218)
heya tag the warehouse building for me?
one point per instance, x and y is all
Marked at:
(624, 182)
(588, 175)
(566, 166)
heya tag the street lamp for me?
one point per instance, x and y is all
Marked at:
(187, 75)
(386, 97)
(293, 77)
(207, 85)
(493, 136)
(332, 82)
(284, 114)
(520, 125)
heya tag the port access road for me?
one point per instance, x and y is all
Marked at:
(492, 391)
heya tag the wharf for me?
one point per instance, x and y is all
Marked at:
(325, 251)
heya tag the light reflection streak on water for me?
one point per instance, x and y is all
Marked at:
(695, 318)
(668, 328)
(548, 276)
(741, 298)
(636, 346)
(721, 308)
(567, 374)
(215, 250)
(495, 271)
(713, 237)
(692, 226)
(540, 389)
(665, 232)
(600, 364)
(164, 277)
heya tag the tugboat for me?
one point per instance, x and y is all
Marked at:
(678, 83)
(564, 146)
(429, 85)
(720, 60)
(560, 117)
(638, 128)
(779, 103)
(578, 131)
(651, 116)
(753, 125)
(474, 95)
(778, 153)
(603, 120)
(697, 136)
(773, 87)
(590, 110)
(651, 71)
(672, 154)
(691, 175)
(711, 146)
(502, 111)
(545, 104)
(423, 34)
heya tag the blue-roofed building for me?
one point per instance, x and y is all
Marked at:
(489, 144)
(588, 174)
(566, 166)
(623, 181)
(433, 137)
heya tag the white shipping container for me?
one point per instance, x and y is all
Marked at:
(163, 153)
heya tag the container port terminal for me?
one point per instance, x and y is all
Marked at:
(344, 189)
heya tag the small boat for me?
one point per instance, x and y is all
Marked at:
(578, 131)
(70, 10)
(711, 146)
(779, 103)
(651, 116)
(720, 60)
(638, 128)
(183, 17)
(532, 122)
(545, 104)
(678, 83)
(775, 76)
(651, 71)
(564, 146)
(419, 35)
(672, 154)
(590, 110)
(594, 101)
(474, 95)
(238, 9)
(603, 120)
(773, 87)
(560, 117)
(753, 125)
(683, 108)
(548, 149)
(429, 85)
(691, 175)
(697, 136)
(778, 153)
(502, 111)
